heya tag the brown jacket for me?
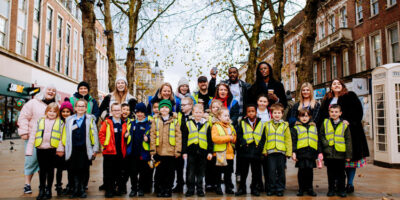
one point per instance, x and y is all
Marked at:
(218, 139)
(165, 148)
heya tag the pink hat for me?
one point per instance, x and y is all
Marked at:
(67, 104)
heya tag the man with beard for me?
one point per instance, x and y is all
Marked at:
(204, 94)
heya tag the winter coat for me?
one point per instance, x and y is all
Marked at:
(251, 150)
(109, 99)
(48, 127)
(225, 139)
(137, 132)
(233, 107)
(294, 112)
(352, 111)
(95, 106)
(111, 149)
(287, 138)
(165, 148)
(330, 151)
(259, 88)
(306, 152)
(192, 149)
(157, 98)
(67, 134)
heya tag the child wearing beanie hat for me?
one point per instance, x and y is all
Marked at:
(64, 108)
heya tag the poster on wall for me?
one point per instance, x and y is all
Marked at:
(360, 86)
(319, 93)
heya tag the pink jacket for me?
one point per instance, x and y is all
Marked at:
(48, 127)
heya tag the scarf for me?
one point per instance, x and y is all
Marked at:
(47, 102)
(224, 100)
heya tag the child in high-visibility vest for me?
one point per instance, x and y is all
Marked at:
(112, 138)
(47, 139)
(80, 144)
(336, 143)
(165, 146)
(138, 147)
(211, 176)
(306, 149)
(250, 144)
(196, 150)
(224, 138)
(126, 117)
(277, 147)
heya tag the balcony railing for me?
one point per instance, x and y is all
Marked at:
(332, 40)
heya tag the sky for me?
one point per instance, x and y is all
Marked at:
(180, 47)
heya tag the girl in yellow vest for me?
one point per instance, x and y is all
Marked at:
(306, 149)
(165, 146)
(224, 138)
(210, 176)
(47, 139)
(336, 144)
(276, 149)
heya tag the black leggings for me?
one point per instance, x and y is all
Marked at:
(46, 159)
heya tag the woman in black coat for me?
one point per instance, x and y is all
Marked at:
(223, 93)
(266, 84)
(352, 113)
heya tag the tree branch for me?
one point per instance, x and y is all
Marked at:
(234, 12)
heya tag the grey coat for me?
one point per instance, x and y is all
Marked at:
(90, 149)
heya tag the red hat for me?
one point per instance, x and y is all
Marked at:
(67, 104)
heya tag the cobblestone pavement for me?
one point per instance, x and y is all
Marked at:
(371, 182)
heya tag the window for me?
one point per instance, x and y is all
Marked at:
(359, 13)
(346, 70)
(35, 49)
(58, 60)
(20, 46)
(59, 27)
(315, 74)
(80, 77)
(374, 7)
(298, 50)
(397, 91)
(323, 77)
(333, 67)
(343, 17)
(67, 49)
(49, 20)
(292, 53)
(380, 119)
(293, 81)
(332, 26)
(391, 2)
(321, 30)
(286, 56)
(75, 54)
(47, 55)
(36, 10)
(394, 52)
(376, 59)
(360, 56)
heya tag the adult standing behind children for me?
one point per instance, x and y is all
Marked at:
(223, 93)
(352, 114)
(204, 94)
(83, 90)
(27, 123)
(164, 92)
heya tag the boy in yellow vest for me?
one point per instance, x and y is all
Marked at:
(250, 144)
(277, 147)
(165, 146)
(336, 143)
(197, 150)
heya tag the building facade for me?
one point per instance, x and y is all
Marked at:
(41, 44)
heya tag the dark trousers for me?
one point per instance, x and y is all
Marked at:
(305, 178)
(78, 179)
(195, 171)
(139, 173)
(46, 159)
(274, 168)
(211, 174)
(336, 174)
(227, 171)
(255, 165)
(112, 167)
(179, 165)
(165, 172)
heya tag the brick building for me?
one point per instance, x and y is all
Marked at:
(41, 44)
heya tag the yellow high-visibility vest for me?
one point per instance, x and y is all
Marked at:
(145, 145)
(276, 137)
(251, 135)
(64, 134)
(197, 136)
(171, 137)
(307, 138)
(221, 131)
(335, 137)
(55, 132)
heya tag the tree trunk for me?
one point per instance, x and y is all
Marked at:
(278, 54)
(112, 66)
(89, 45)
(305, 67)
(251, 66)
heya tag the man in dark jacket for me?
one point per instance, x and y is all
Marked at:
(204, 94)
(83, 93)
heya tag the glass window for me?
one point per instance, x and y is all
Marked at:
(346, 70)
(391, 2)
(321, 30)
(47, 55)
(380, 119)
(3, 25)
(374, 7)
(58, 60)
(20, 41)
(286, 56)
(360, 56)
(332, 26)
(49, 21)
(315, 74)
(394, 44)
(298, 50)
(376, 50)
(323, 77)
(397, 91)
(343, 17)
(292, 53)
(359, 13)
(334, 67)
(36, 10)
(59, 27)
(67, 49)
(35, 49)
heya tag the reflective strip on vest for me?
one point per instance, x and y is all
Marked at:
(108, 134)
(251, 135)
(179, 119)
(335, 137)
(276, 138)
(56, 133)
(307, 138)
(221, 132)
(64, 133)
(171, 137)
(197, 136)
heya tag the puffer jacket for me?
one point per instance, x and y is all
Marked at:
(165, 148)
(226, 139)
(111, 149)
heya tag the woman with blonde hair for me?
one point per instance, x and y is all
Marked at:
(164, 92)
(306, 101)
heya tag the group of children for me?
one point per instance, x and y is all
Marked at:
(136, 147)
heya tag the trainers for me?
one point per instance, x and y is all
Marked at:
(27, 189)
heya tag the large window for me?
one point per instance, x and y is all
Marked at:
(36, 30)
(321, 30)
(323, 77)
(293, 81)
(49, 19)
(21, 28)
(374, 7)
(343, 17)
(47, 55)
(333, 67)
(287, 55)
(36, 10)
(292, 53)
(376, 55)
(35, 49)
(359, 12)
(394, 52)
(298, 50)
(346, 70)
(59, 43)
(4, 12)
(391, 2)
(332, 26)
(380, 119)
(67, 49)
(315, 74)
(360, 56)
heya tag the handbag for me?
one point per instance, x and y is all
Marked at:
(221, 159)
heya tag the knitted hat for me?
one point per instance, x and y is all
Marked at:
(83, 84)
(183, 81)
(140, 107)
(121, 78)
(165, 102)
(67, 104)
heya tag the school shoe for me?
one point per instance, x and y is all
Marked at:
(270, 193)
(330, 193)
(140, 193)
(178, 189)
(83, 193)
(42, 194)
(342, 194)
(132, 193)
(300, 193)
(210, 188)
(218, 190)
(255, 192)
(311, 193)
(240, 192)
(189, 193)
(350, 189)
(59, 189)
(200, 193)
(279, 193)
(48, 192)
(167, 193)
(102, 187)
(229, 190)
(27, 189)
